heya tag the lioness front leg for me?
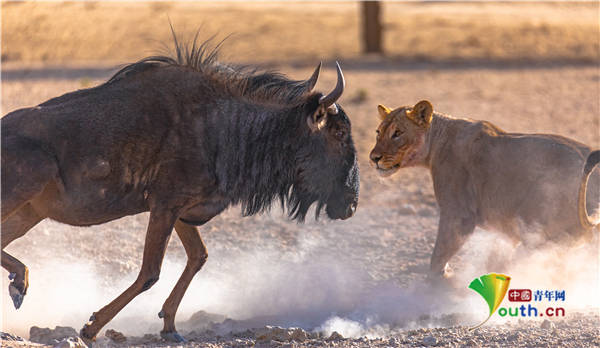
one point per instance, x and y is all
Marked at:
(453, 231)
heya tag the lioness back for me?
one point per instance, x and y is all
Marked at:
(530, 179)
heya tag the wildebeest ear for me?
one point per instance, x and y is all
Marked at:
(421, 113)
(318, 119)
(383, 111)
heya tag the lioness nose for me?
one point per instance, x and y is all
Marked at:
(375, 157)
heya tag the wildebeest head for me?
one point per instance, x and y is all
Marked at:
(326, 164)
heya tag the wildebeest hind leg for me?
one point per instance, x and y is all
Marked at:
(14, 227)
(197, 255)
(157, 237)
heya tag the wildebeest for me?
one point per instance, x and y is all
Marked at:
(182, 137)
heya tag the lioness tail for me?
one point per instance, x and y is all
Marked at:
(592, 160)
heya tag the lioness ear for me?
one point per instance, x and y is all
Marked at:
(421, 114)
(383, 111)
(318, 119)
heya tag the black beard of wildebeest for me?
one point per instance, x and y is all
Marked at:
(182, 138)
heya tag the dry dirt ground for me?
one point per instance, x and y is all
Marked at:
(367, 271)
(363, 277)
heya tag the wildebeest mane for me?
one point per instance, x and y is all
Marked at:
(237, 80)
(259, 164)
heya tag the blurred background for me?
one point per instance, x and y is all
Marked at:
(507, 32)
(525, 66)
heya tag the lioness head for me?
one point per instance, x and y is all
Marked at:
(400, 137)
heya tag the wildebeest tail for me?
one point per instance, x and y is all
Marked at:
(592, 160)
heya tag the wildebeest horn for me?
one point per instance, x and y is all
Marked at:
(312, 81)
(328, 100)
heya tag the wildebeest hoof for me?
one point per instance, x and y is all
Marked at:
(16, 295)
(448, 272)
(173, 336)
(85, 336)
(88, 342)
(93, 317)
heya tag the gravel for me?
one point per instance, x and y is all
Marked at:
(580, 330)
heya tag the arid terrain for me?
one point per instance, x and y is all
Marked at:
(525, 67)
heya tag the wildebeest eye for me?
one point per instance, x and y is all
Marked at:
(340, 134)
(396, 134)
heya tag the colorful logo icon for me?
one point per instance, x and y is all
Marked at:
(492, 287)
(519, 295)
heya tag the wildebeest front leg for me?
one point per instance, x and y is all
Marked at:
(19, 276)
(197, 255)
(15, 226)
(452, 234)
(160, 227)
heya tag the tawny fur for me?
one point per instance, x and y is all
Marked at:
(486, 177)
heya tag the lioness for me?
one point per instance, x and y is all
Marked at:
(483, 176)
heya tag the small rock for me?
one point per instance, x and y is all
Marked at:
(514, 337)
(202, 320)
(471, 342)
(272, 333)
(392, 342)
(71, 342)
(239, 343)
(335, 336)
(299, 335)
(429, 341)
(4, 336)
(547, 325)
(115, 336)
(49, 336)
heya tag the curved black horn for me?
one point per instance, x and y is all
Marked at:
(312, 81)
(328, 100)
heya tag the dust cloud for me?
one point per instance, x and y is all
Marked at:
(310, 287)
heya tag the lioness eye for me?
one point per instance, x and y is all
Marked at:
(396, 134)
(377, 131)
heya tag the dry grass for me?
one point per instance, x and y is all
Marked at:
(121, 31)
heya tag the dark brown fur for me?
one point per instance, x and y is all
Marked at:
(182, 138)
